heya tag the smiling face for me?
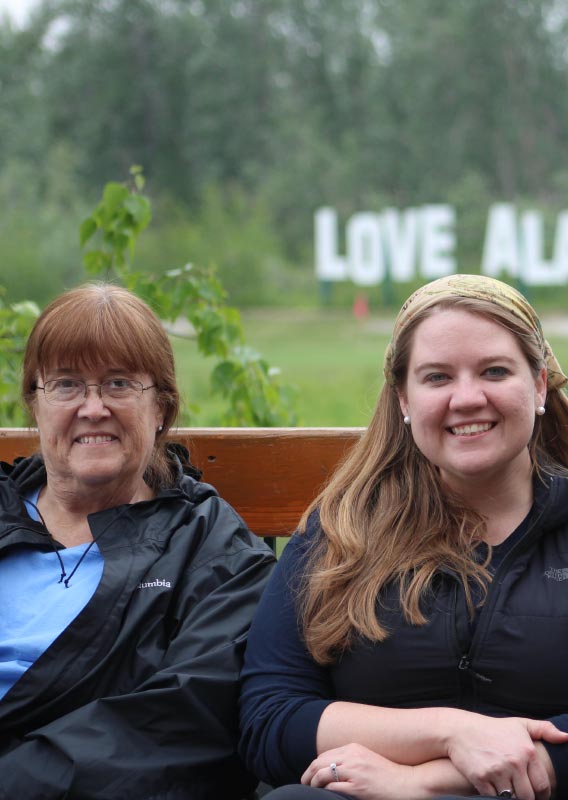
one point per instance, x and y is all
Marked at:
(471, 396)
(98, 444)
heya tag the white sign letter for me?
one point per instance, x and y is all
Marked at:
(536, 271)
(438, 240)
(364, 252)
(329, 266)
(400, 233)
(501, 247)
(561, 246)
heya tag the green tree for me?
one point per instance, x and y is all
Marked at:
(291, 104)
(474, 87)
(41, 211)
(241, 376)
(253, 393)
(16, 321)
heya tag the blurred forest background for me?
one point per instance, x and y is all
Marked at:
(247, 115)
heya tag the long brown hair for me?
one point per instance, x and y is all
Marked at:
(386, 516)
(99, 323)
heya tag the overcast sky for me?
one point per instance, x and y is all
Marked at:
(17, 9)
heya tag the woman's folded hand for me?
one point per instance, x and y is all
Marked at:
(500, 753)
(357, 771)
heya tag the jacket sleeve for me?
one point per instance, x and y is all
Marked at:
(175, 735)
(559, 756)
(284, 691)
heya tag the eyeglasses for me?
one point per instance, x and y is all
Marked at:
(70, 391)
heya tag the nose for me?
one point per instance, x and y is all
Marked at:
(467, 393)
(93, 405)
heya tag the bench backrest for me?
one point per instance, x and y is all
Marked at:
(269, 475)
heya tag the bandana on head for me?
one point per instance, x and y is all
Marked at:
(479, 287)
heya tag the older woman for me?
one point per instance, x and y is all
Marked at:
(126, 586)
(422, 611)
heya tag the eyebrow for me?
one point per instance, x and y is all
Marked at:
(442, 365)
(78, 372)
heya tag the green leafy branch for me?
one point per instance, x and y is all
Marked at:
(119, 218)
(16, 321)
(251, 388)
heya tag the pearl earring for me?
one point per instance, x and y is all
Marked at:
(406, 419)
(540, 410)
(160, 428)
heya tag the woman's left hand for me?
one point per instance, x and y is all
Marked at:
(363, 774)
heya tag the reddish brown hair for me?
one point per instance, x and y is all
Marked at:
(99, 323)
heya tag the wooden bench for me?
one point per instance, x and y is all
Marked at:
(269, 475)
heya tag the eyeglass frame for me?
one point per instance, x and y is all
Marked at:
(79, 400)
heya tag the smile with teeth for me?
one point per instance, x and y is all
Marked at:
(470, 430)
(99, 439)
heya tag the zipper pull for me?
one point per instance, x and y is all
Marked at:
(465, 666)
(464, 663)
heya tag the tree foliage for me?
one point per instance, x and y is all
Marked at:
(252, 390)
(218, 91)
(293, 104)
(16, 321)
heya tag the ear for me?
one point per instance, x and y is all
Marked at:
(31, 410)
(540, 388)
(159, 415)
(402, 402)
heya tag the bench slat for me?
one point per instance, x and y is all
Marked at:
(269, 475)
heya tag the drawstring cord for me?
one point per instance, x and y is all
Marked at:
(76, 567)
(64, 578)
(84, 553)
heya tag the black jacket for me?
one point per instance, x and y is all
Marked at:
(511, 663)
(136, 698)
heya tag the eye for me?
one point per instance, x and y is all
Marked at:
(436, 378)
(496, 372)
(118, 384)
(64, 385)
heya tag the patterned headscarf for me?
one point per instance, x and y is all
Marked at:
(479, 287)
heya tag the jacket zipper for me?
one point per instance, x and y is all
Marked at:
(464, 663)
(465, 666)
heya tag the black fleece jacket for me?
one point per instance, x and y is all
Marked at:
(512, 664)
(137, 697)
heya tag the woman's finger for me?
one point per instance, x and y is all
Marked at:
(520, 786)
(325, 776)
(322, 770)
(539, 779)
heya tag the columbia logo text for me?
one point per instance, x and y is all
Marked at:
(155, 583)
(557, 574)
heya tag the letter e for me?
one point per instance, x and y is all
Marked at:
(438, 240)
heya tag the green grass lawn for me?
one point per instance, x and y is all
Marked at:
(333, 361)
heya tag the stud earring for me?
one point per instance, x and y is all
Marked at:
(540, 410)
(160, 428)
(406, 419)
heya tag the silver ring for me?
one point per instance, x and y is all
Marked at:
(335, 773)
(506, 793)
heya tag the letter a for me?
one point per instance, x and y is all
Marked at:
(501, 248)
